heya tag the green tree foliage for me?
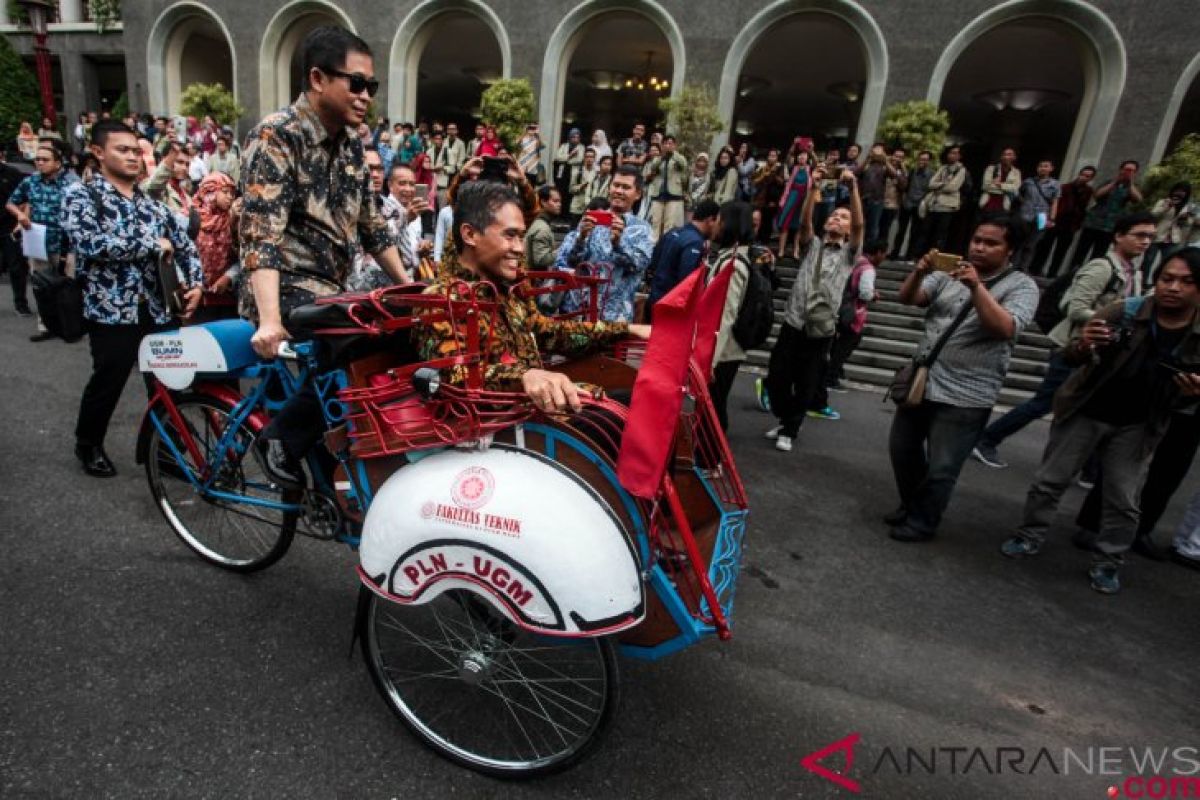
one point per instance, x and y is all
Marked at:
(916, 125)
(1183, 164)
(508, 105)
(120, 109)
(693, 118)
(19, 97)
(210, 99)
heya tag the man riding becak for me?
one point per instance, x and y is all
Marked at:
(309, 205)
(489, 239)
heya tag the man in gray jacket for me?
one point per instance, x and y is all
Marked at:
(1098, 283)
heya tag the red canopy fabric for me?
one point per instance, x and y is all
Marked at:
(685, 326)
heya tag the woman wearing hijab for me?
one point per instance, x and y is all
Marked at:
(27, 142)
(423, 174)
(600, 145)
(725, 177)
(489, 147)
(216, 244)
(700, 183)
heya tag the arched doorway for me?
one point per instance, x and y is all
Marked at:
(444, 55)
(1183, 112)
(279, 67)
(188, 44)
(816, 69)
(1030, 103)
(1057, 100)
(599, 67)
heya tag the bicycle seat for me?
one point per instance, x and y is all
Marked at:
(303, 322)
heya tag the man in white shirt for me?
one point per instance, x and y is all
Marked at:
(197, 165)
(402, 209)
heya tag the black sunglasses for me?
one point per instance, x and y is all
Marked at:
(357, 81)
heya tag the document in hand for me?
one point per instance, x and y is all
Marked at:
(33, 242)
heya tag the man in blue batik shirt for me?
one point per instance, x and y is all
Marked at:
(118, 234)
(624, 248)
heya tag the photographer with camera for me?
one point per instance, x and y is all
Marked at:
(1140, 362)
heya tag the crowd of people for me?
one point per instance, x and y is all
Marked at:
(319, 202)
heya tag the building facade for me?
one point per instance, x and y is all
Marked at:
(1079, 82)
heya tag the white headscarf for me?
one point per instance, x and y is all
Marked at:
(602, 149)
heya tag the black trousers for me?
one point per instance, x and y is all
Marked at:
(114, 353)
(1172, 459)
(796, 376)
(724, 375)
(17, 268)
(1052, 249)
(909, 225)
(1093, 243)
(928, 446)
(937, 231)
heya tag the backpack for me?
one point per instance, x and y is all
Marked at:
(756, 314)
(1050, 308)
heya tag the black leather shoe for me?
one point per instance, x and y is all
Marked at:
(896, 517)
(278, 463)
(42, 336)
(95, 461)
(903, 533)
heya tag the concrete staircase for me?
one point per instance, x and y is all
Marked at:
(893, 331)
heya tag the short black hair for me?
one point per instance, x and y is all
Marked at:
(54, 146)
(1133, 161)
(325, 48)
(925, 153)
(706, 209)
(670, 136)
(543, 192)
(1189, 255)
(631, 171)
(598, 204)
(1126, 222)
(1014, 229)
(398, 165)
(737, 223)
(476, 205)
(105, 128)
(875, 246)
(1092, 167)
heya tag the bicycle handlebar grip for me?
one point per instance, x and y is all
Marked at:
(285, 351)
(427, 381)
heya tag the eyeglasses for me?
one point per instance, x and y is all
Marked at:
(358, 81)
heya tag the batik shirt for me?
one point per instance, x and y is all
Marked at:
(626, 265)
(45, 204)
(115, 240)
(522, 334)
(308, 206)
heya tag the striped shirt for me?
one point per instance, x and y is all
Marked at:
(970, 370)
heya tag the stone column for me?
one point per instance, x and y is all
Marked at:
(78, 74)
(70, 10)
(4, 18)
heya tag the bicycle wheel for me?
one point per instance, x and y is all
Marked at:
(237, 536)
(485, 693)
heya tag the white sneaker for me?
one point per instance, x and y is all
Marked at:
(774, 432)
(783, 443)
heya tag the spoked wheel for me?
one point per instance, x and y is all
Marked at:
(483, 692)
(236, 535)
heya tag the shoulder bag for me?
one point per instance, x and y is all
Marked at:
(907, 389)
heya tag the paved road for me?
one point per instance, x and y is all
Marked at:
(129, 669)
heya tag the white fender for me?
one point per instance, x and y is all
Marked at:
(512, 526)
(175, 357)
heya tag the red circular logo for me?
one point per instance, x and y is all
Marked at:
(473, 488)
(427, 510)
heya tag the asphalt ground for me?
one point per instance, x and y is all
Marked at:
(130, 669)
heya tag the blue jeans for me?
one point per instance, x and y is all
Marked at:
(1036, 407)
(928, 446)
(872, 213)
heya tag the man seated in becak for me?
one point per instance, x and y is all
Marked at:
(488, 245)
